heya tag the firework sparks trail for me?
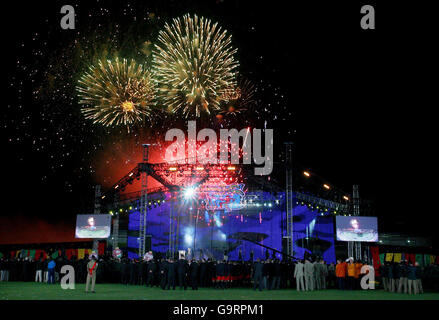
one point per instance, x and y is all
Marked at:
(116, 92)
(194, 65)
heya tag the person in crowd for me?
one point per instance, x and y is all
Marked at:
(220, 274)
(351, 274)
(132, 271)
(39, 271)
(318, 274)
(331, 276)
(182, 270)
(193, 271)
(51, 270)
(340, 273)
(92, 267)
(383, 270)
(151, 269)
(275, 284)
(203, 273)
(402, 286)
(4, 269)
(163, 269)
(325, 274)
(419, 275)
(411, 279)
(358, 266)
(299, 274)
(227, 273)
(171, 271)
(309, 275)
(266, 273)
(212, 276)
(125, 271)
(258, 275)
(390, 273)
(396, 276)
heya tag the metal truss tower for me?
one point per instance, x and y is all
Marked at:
(115, 242)
(356, 212)
(143, 203)
(97, 210)
(289, 198)
(354, 247)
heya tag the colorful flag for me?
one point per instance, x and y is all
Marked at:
(55, 254)
(426, 259)
(397, 257)
(419, 259)
(81, 253)
(101, 249)
(389, 257)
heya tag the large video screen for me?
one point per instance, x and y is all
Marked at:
(93, 226)
(357, 228)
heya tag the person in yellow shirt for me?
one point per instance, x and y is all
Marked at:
(351, 274)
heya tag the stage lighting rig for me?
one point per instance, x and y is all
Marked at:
(189, 192)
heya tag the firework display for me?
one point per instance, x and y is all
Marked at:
(116, 92)
(194, 65)
(238, 99)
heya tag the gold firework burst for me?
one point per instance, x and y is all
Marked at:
(194, 65)
(116, 92)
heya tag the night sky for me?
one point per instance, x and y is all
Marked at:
(354, 102)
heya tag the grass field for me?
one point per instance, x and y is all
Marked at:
(39, 291)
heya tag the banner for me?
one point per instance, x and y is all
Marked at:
(55, 254)
(101, 248)
(426, 259)
(1, 255)
(432, 259)
(38, 254)
(389, 257)
(411, 257)
(81, 253)
(397, 257)
(32, 253)
(375, 259)
(419, 259)
(382, 257)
